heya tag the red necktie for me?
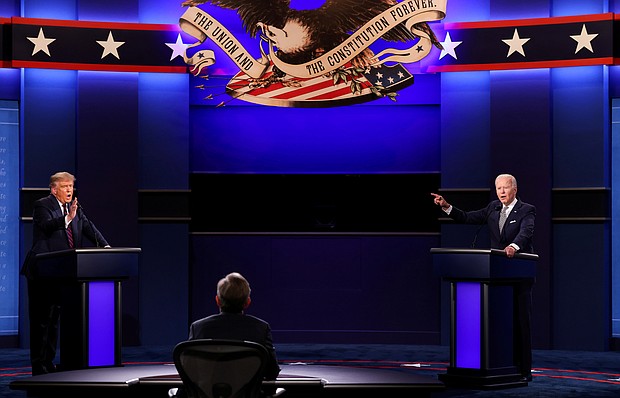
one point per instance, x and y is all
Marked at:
(69, 231)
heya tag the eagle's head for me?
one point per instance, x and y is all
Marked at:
(294, 37)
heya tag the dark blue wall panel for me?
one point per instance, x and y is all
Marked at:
(581, 287)
(581, 159)
(10, 84)
(468, 11)
(108, 10)
(164, 284)
(365, 139)
(9, 7)
(581, 130)
(164, 131)
(55, 9)
(509, 9)
(521, 145)
(163, 119)
(465, 130)
(107, 166)
(49, 124)
(344, 289)
(106, 152)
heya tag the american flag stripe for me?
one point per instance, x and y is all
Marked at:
(320, 90)
(317, 88)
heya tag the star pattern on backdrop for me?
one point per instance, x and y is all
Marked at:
(388, 76)
(483, 45)
(178, 48)
(565, 41)
(110, 46)
(41, 43)
(449, 47)
(516, 44)
(584, 40)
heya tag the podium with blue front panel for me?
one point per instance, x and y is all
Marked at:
(483, 314)
(89, 282)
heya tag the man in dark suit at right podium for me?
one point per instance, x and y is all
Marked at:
(511, 229)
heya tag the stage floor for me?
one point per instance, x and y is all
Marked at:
(298, 381)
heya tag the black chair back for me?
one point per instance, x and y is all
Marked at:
(220, 368)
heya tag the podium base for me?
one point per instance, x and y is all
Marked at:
(481, 380)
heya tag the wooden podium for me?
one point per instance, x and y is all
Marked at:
(483, 314)
(90, 283)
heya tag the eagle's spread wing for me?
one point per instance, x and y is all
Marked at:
(346, 16)
(251, 12)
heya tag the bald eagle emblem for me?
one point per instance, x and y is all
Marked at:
(316, 57)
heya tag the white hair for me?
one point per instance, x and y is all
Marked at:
(510, 176)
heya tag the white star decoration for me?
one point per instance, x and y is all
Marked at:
(516, 44)
(178, 48)
(110, 46)
(41, 43)
(584, 40)
(449, 47)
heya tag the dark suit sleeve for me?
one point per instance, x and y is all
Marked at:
(272, 370)
(43, 217)
(471, 217)
(526, 228)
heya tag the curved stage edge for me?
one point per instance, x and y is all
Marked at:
(297, 380)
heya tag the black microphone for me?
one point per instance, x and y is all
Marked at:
(473, 243)
(92, 228)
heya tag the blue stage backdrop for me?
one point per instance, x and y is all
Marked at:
(433, 128)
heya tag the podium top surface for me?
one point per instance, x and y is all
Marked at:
(88, 263)
(495, 252)
(483, 264)
(90, 250)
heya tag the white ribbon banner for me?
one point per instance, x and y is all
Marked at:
(201, 25)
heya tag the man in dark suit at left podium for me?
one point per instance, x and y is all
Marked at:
(58, 224)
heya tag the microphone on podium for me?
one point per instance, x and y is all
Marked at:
(473, 243)
(82, 215)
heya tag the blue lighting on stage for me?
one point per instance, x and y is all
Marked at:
(468, 325)
(101, 323)
(357, 139)
(60, 9)
(578, 7)
(306, 4)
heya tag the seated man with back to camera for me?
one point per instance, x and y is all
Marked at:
(232, 323)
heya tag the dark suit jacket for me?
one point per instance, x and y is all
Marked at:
(519, 227)
(49, 232)
(233, 326)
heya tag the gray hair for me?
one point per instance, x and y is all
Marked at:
(510, 176)
(233, 291)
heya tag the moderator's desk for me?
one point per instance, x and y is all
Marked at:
(298, 380)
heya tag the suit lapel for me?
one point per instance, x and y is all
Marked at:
(56, 209)
(512, 216)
